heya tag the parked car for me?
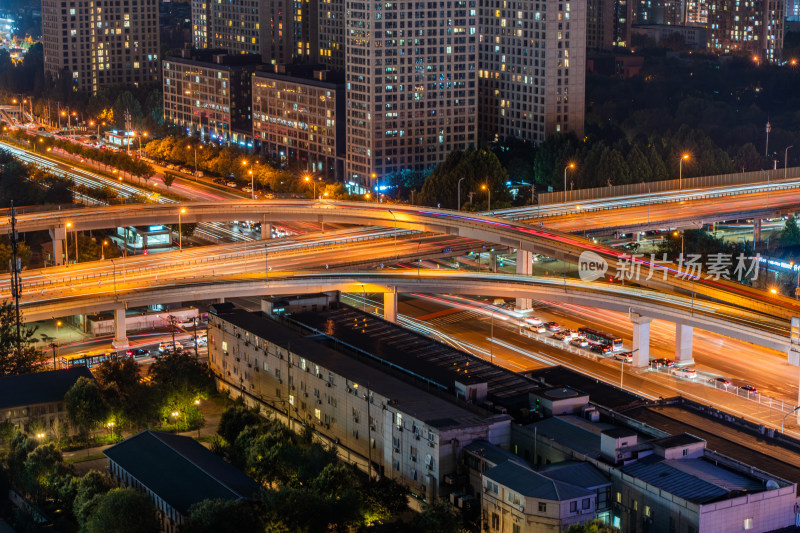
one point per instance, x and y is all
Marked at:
(219, 181)
(685, 372)
(247, 189)
(231, 184)
(171, 167)
(552, 326)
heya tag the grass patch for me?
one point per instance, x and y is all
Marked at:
(84, 458)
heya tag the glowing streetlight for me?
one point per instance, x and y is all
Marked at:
(486, 188)
(180, 234)
(684, 157)
(568, 167)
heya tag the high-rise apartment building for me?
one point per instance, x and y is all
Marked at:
(793, 9)
(752, 27)
(411, 77)
(532, 68)
(600, 24)
(236, 26)
(696, 12)
(100, 43)
(208, 94)
(331, 33)
(201, 11)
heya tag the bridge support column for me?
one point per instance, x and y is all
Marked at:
(493, 261)
(756, 231)
(266, 230)
(641, 340)
(58, 235)
(120, 332)
(683, 344)
(390, 305)
(524, 268)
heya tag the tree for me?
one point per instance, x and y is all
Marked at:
(595, 526)
(169, 178)
(123, 511)
(17, 352)
(789, 236)
(92, 483)
(212, 516)
(478, 168)
(639, 166)
(41, 467)
(437, 517)
(180, 379)
(86, 407)
(119, 381)
(235, 419)
(23, 252)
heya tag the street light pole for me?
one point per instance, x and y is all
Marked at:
(459, 193)
(180, 233)
(489, 196)
(787, 414)
(786, 159)
(680, 170)
(571, 165)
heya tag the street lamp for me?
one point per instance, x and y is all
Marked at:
(486, 188)
(314, 183)
(675, 234)
(58, 325)
(786, 159)
(103, 249)
(570, 166)
(787, 414)
(252, 186)
(195, 160)
(459, 192)
(684, 157)
(66, 241)
(180, 234)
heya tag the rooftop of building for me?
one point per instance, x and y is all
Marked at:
(526, 482)
(620, 433)
(561, 393)
(180, 470)
(723, 437)
(696, 480)
(415, 353)
(492, 453)
(579, 473)
(674, 441)
(216, 58)
(573, 432)
(600, 393)
(39, 387)
(305, 74)
(433, 410)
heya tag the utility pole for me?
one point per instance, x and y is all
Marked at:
(15, 267)
(766, 149)
(127, 129)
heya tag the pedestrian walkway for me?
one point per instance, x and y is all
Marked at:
(66, 333)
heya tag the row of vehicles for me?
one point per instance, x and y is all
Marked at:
(95, 357)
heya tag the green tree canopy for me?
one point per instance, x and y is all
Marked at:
(86, 407)
(213, 516)
(17, 352)
(123, 511)
(478, 168)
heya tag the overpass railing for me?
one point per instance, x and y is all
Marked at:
(633, 189)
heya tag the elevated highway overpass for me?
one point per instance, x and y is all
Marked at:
(107, 294)
(525, 238)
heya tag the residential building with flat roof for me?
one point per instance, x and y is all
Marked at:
(301, 118)
(208, 94)
(532, 69)
(101, 43)
(378, 420)
(37, 399)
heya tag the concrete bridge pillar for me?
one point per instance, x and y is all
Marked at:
(641, 340)
(266, 230)
(493, 261)
(120, 332)
(683, 344)
(390, 305)
(756, 230)
(524, 268)
(58, 235)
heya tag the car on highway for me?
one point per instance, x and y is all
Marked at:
(601, 349)
(231, 184)
(538, 329)
(138, 352)
(168, 347)
(552, 326)
(533, 320)
(658, 363)
(749, 389)
(562, 336)
(626, 357)
(684, 372)
(171, 167)
(188, 323)
(579, 342)
(721, 382)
